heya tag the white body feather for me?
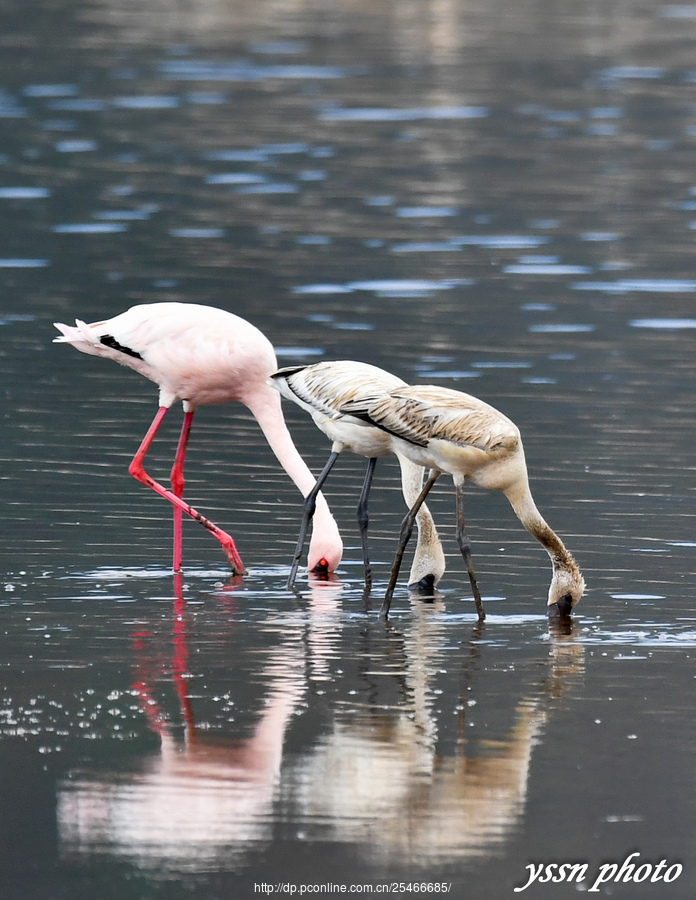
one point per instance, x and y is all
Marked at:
(324, 390)
(194, 353)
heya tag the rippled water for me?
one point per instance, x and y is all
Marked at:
(492, 197)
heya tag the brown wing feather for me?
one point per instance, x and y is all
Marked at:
(423, 413)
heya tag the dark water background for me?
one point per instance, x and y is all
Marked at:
(494, 196)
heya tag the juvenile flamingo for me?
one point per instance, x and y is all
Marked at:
(322, 389)
(448, 431)
(202, 355)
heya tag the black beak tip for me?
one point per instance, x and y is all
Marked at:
(562, 608)
(425, 588)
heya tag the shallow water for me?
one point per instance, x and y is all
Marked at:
(498, 198)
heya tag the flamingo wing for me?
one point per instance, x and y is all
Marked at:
(425, 413)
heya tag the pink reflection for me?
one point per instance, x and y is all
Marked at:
(197, 799)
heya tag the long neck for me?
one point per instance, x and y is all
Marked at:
(523, 503)
(265, 404)
(567, 581)
(428, 558)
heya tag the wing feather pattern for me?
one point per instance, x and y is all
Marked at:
(424, 413)
(330, 387)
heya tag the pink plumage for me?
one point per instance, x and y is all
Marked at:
(202, 355)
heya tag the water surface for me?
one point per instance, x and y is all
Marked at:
(493, 198)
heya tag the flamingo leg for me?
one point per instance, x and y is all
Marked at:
(404, 535)
(138, 472)
(310, 505)
(364, 518)
(180, 661)
(177, 479)
(465, 548)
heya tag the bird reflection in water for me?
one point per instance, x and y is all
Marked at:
(383, 777)
(380, 779)
(196, 801)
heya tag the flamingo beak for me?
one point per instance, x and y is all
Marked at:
(564, 606)
(321, 569)
(425, 588)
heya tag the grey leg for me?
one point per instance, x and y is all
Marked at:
(364, 518)
(465, 547)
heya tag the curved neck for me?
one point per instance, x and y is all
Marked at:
(265, 404)
(429, 558)
(523, 503)
(411, 486)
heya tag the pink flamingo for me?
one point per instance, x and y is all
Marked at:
(202, 355)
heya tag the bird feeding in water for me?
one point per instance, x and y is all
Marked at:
(322, 390)
(449, 431)
(202, 355)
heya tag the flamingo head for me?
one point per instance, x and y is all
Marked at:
(567, 587)
(325, 548)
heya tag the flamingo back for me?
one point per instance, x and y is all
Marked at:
(194, 353)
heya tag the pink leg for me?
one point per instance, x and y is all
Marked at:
(137, 471)
(180, 661)
(177, 479)
(143, 680)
